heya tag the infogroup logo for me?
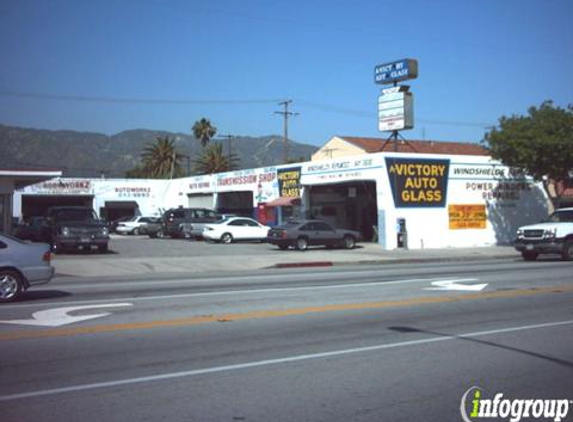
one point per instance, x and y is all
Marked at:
(512, 409)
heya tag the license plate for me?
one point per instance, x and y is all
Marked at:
(529, 247)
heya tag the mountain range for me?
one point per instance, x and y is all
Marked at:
(89, 154)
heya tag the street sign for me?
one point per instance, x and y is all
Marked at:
(395, 110)
(396, 71)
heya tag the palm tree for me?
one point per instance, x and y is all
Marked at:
(203, 130)
(161, 160)
(213, 160)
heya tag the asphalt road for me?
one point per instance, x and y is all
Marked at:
(392, 343)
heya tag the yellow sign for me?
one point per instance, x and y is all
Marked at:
(467, 217)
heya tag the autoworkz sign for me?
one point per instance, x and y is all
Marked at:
(418, 182)
(396, 71)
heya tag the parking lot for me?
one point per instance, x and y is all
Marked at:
(131, 255)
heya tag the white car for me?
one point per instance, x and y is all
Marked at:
(133, 226)
(235, 229)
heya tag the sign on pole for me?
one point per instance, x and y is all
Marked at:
(395, 109)
(394, 72)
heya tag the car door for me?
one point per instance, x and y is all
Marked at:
(254, 230)
(239, 229)
(325, 234)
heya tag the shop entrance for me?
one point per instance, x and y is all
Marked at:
(115, 210)
(37, 205)
(349, 205)
(239, 203)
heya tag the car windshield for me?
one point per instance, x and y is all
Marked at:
(565, 216)
(76, 215)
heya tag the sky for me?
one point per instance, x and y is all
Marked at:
(112, 65)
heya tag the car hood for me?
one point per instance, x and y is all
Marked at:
(539, 226)
(92, 223)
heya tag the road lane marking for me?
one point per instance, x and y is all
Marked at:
(456, 286)
(247, 291)
(271, 362)
(57, 317)
(275, 313)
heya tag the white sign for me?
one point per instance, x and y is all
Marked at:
(395, 110)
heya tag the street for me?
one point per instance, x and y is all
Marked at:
(397, 342)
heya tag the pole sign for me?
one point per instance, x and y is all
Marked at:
(395, 109)
(394, 72)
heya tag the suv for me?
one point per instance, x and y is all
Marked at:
(554, 235)
(187, 222)
(74, 228)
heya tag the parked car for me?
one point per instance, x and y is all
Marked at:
(74, 227)
(22, 265)
(154, 228)
(112, 225)
(133, 226)
(301, 234)
(554, 235)
(187, 222)
(235, 229)
(30, 229)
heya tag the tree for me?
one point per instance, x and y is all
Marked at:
(539, 144)
(213, 160)
(160, 160)
(203, 130)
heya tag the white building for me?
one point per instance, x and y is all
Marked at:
(425, 195)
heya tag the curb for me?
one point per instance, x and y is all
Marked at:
(391, 261)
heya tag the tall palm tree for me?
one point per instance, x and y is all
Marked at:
(203, 130)
(213, 160)
(161, 160)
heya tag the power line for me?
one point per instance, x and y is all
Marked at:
(128, 100)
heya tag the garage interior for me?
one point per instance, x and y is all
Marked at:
(350, 205)
(37, 205)
(239, 203)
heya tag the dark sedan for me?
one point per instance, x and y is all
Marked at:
(304, 233)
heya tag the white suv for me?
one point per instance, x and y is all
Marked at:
(554, 235)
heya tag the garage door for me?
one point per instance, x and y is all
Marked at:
(201, 201)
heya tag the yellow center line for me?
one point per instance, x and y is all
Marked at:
(274, 313)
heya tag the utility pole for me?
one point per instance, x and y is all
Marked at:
(229, 139)
(286, 114)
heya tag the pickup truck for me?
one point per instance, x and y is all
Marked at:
(554, 235)
(75, 227)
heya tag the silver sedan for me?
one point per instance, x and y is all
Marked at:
(22, 265)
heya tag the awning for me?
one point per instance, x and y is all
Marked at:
(285, 201)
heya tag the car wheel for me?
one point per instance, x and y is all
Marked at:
(11, 285)
(226, 238)
(302, 243)
(529, 256)
(567, 253)
(349, 242)
(136, 232)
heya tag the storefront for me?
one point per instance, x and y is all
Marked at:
(409, 200)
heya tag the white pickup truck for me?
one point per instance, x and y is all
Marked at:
(554, 235)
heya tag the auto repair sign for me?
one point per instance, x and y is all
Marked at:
(418, 182)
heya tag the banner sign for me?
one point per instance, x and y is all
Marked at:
(467, 216)
(418, 182)
(289, 182)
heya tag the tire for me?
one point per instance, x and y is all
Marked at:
(567, 254)
(136, 231)
(226, 238)
(11, 285)
(301, 244)
(529, 256)
(349, 242)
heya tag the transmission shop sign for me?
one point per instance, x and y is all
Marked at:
(418, 183)
(401, 70)
(467, 216)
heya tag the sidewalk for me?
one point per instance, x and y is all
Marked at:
(369, 254)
